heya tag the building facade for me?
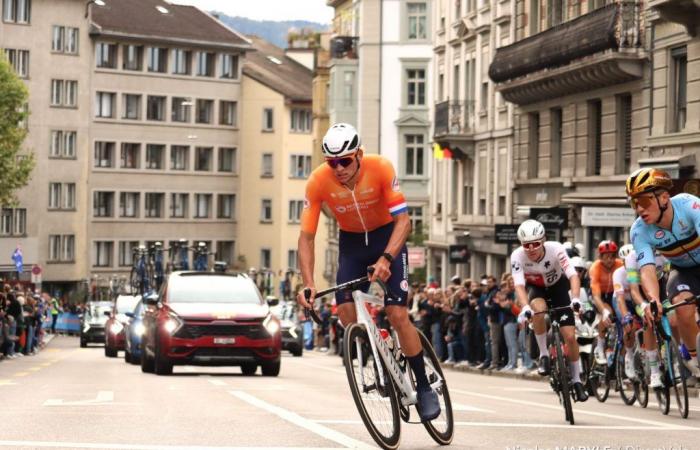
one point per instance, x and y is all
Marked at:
(471, 188)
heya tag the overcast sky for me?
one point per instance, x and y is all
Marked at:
(312, 10)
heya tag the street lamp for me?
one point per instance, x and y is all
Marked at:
(97, 2)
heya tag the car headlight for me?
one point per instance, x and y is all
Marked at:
(272, 325)
(139, 329)
(116, 327)
(172, 324)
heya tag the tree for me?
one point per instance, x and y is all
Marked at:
(14, 171)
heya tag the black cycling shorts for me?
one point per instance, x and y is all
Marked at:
(683, 279)
(556, 296)
(355, 255)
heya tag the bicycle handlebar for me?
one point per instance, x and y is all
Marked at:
(529, 314)
(666, 309)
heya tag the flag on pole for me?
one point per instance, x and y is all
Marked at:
(447, 153)
(437, 151)
(18, 259)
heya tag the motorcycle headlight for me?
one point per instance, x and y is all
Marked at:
(139, 329)
(116, 327)
(271, 324)
(172, 324)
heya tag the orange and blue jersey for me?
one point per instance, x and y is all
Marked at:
(373, 203)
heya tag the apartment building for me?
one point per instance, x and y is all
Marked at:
(134, 124)
(471, 191)
(278, 142)
(601, 89)
(380, 80)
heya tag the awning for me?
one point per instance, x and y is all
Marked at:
(595, 198)
(670, 163)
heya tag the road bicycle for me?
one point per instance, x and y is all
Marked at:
(380, 379)
(641, 366)
(178, 256)
(156, 259)
(201, 257)
(140, 278)
(559, 377)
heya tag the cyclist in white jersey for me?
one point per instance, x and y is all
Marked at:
(543, 274)
(624, 306)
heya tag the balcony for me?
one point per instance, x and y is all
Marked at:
(454, 119)
(344, 47)
(685, 12)
(601, 48)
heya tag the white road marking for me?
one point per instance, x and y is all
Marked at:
(521, 389)
(577, 411)
(463, 407)
(103, 398)
(318, 366)
(44, 444)
(509, 425)
(299, 421)
(216, 382)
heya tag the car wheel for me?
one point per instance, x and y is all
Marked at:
(127, 356)
(271, 369)
(297, 351)
(110, 352)
(161, 365)
(146, 362)
(83, 343)
(249, 369)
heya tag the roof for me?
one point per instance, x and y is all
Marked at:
(163, 21)
(270, 66)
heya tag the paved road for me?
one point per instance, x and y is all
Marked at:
(67, 397)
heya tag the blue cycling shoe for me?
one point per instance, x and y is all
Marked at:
(428, 405)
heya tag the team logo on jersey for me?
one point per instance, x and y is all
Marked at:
(307, 203)
(547, 264)
(682, 287)
(640, 256)
(395, 184)
(659, 234)
(404, 285)
(515, 267)
(682, 224)
(564, 317)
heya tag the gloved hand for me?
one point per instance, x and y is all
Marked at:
(523, 316)
(576, 304)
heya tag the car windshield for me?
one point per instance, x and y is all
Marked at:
(212, 289)
(97, 310)
(126, 303)
(283, 311)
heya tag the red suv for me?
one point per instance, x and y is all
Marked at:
(210, 319)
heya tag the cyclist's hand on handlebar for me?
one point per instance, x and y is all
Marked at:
(381, 270)
(525, 314)
(301, 298)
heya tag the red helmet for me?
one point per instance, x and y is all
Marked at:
(607, 247)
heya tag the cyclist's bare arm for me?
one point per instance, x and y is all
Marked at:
(521, 295)
(650, 284)
(622, 304)
(575, 285)
(306, 263)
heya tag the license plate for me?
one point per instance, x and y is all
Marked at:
(224, 340)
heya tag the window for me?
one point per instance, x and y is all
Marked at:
(154, 205)
(416, 87)
(483, 180)
(68, 248)
(555, 10)
(535, 16)
(594, 137)
(266, 211)
(129, 204)
(624, 133)
(157, 59)
(72, 36)
(104, 104)
(555, 139)
(179, 156)
(266, 165)
(229, 66)
(102, 256)
(133, 57)
(126, 249)
(292, 259)
(178, 205)
(56, 149)
(299, 166)
(63, 144)
(104, 154)
(181, 61)
(265, 258)
(417, 20)
(679, 78)
(226, 206)
(106, 55)
(155, 107)
(202, 160)
(228, 113)
(54, 247)
(6, 222)
(227, 159)
(69, 196)
(205, 64)
(154, 156)
(69, 144)
(56, 92)
(533, 147)
(295, 209)
(17, 11)
(348, 89)
(484, 96)
(61, 248)
(181, 109)
(19, 60)
(132, 106)
(455, 81)
(202, 206)
(130, 155)
(224, 251)
(103, 204)
(58, 38)
(300, 121)
(205, 110)
(415, 214)
(268, 124)
(415, 154)
(54, 195)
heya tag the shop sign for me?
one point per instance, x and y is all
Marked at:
(459, 254)
(601, 216)
(551, 217)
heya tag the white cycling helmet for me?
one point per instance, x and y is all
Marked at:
(625, 250)
(530, 230)
(340, 140)
(578, 263)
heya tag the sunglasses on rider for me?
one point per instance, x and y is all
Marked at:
(644, 201)
(345, 162)
(532, 245)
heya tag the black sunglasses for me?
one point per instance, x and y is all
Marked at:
(345, 162)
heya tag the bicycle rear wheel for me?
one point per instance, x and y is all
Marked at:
(600, 381)
(677, 377)
(624, 384)
(563, 373)
(442, 428)
(377, 403)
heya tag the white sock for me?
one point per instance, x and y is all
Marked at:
(600, 344)
(542, 343)
(575, 368)
(653, 358)
(629, 354)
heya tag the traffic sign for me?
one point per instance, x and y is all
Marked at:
(36, 269)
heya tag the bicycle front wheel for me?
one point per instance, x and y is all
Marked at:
(376, 401)
(563, 373)
(442, 428)
(677, 376)
(624, 384)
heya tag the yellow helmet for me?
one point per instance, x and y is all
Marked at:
(647, 180)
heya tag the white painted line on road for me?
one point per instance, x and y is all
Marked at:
(103, 398)
(216, 382)
(318, 366)
(576, 411)
(509, 425)
(299, 421)
(521, 389)
(44, 444)
(463, 407)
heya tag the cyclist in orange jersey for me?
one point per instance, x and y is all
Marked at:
(603, 290)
